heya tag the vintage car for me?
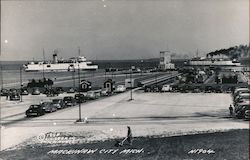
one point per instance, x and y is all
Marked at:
(69, 101)
(35, 110)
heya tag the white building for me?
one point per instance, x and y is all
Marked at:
(165, 61)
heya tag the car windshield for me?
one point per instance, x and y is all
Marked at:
(46, 103)
(245, 97)
(79, 95)
(34, 106)
(56, 100)
(90, 93)
(67, 98)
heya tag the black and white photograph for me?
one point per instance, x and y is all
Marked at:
(124, 80)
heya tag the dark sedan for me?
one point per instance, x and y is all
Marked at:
(4, 92)
(49, 107)
(58, 103)
(69, 101)
(14, 97)
(36, 92)
(35, 110)
(80, 98)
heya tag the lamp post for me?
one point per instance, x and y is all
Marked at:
(1, 76)
(21, 85)
(141, 65)
(131, 89)
(79, 90)
(73, 77)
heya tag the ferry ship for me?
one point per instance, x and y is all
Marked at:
(202, 61)
(71, 64)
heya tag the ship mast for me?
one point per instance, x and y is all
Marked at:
(79, 51)
(197, 53)
(43, 62)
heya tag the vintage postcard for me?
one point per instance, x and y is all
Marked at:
(124, 79)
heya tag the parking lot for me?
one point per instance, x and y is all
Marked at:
(148, 114)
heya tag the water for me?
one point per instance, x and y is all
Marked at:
(11, 70)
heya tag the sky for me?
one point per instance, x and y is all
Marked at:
(120, 29)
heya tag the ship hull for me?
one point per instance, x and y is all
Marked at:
(59, 67)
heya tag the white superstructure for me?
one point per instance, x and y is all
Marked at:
(71, 64)
(212, 62)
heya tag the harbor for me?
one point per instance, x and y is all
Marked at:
(143, 105)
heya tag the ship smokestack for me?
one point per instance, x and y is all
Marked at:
(55, 60)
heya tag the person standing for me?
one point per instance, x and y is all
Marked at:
(231, 110)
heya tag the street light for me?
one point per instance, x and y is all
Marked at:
(141, 65)
(131, 89)
(79, 90)
(1, 75)
(21, 85)
(80, 111)
(73, 77)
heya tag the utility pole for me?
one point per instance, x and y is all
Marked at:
(73, 77)
(141, 66)
(1, 76)
(21, 85)
(131, 89)
(79, 89)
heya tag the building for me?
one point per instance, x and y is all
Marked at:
(165, 61)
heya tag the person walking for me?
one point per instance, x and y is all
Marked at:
(231, 110)
(129, 136)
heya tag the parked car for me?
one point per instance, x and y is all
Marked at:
(147, 89)
(58, 103)
(36, 91)
(35, 110)
(166, 88)
(184, 89)
(238, 106)
(24, 92)
(59, 90)
(93, 94)
(14, 97)
(13, 90)
(69, 101)
(80, 98)
(4, 92)
(242, 110)
(51, 93)
(105, 92)
(49, 107)
(120, 89)
(71, 90)
(242, 97)
(247, 114)
(240, 90)
(156, 88)
(218, 89)
(209, 89)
